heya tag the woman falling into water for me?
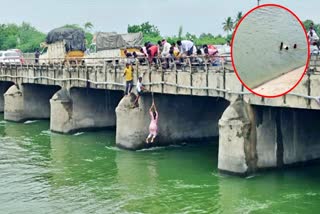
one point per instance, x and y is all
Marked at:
(153, 127)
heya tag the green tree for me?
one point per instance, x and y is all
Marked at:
(150, 32)
(24, 37)
(307, 23)
(146, 28)
(74, 26)
(191, 37)
(238, 18)
(88, 26)
(228, 25)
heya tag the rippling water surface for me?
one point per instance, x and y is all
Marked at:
(41, 172)
(256, 46)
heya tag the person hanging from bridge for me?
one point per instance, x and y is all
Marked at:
(153, 127)
(128, 74)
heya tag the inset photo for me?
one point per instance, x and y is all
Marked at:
(270, 50)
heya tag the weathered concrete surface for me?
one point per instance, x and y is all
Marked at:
(104, 77)
(267, 142)
(181, 118)
(4, 86)
(286, 136)
(81, 108)
(300, 135)
(257, 137)
(29, 101)
(237, 139)
(13, 107)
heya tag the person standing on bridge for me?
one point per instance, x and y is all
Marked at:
(140, 89)
(36, 56)
(128, 74)
(153, 127)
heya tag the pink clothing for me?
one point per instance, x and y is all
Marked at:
(212, 50)
(153, 127)
(144, 49)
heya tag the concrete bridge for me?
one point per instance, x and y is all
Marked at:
(194, 103)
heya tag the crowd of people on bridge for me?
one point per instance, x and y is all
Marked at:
(165, 53)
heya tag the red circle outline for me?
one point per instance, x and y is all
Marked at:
(308, 54)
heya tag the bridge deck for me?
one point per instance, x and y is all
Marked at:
(195, 80)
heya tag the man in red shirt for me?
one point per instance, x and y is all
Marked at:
(152, 51)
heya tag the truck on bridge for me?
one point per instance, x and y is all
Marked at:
(108, 46)
(64, 45)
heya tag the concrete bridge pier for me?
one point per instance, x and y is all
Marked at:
(83, 109)
(4, 86)
(260, 137)
(28, 101)
(181, 118)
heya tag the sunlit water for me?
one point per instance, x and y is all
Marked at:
(256, 46)
(41, 172)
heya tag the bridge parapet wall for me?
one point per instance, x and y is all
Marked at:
(220, 82)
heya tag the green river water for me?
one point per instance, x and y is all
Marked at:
(42, 172)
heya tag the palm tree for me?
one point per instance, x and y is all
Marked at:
(238, 18)
(228, 25)
(180, 32)
(88, 26)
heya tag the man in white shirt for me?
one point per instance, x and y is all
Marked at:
(312, 36)
(140, 88)
(165, 54)
(186, 47)
(166, 48)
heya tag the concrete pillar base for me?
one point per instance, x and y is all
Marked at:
(181, 119)
(13, 107)
(83, 109)
(260, 137)
(4, 86)
(29, 101)
(61, 112)
(132, 124)
(237, 140)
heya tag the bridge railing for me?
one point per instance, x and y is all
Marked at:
(314, 64)
(192, 63)
(189, 79)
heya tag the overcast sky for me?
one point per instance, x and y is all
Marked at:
(115, 15)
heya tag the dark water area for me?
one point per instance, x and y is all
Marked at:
(43, 172)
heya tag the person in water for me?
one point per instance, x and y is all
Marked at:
(153, 127)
